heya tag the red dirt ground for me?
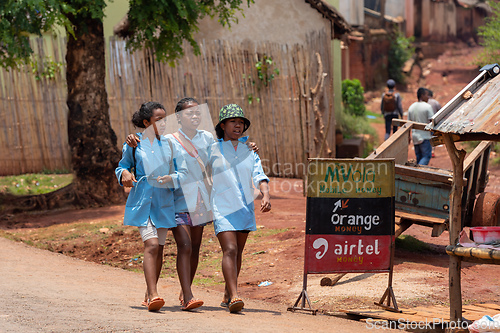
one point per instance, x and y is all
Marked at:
(419, 278)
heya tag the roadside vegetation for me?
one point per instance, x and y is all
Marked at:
(355, 119)
(34, 183)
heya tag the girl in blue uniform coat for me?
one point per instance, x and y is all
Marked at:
(236, 172)
(150, 203)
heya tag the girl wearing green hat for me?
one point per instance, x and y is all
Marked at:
(236, 173)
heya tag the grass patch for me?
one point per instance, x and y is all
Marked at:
(208, 280)
(34, 183)
(263, 232)
(411, 244)
(374, 117)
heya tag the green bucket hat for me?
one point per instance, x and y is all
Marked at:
(232, 111)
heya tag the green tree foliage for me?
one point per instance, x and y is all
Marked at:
(353, 97)
(164, 25)
(490, 37)
(19, 19)
(161, 25)
(400, 51)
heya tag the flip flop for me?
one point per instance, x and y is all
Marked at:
(145, 303)
(156, 304)
(192, 304)
(236, 305)
(224, 304)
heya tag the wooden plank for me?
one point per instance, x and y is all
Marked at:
(401, 227)
(422, 314)
(477, 152)
(437, 175)
(413, 124)
(438, 229)
(490, 306)
(477, 308)
(409, 316)
(395, 147)
(420, 218)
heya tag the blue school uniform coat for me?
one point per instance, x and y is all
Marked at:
(148, 198)
(187, 194)
(236, 176)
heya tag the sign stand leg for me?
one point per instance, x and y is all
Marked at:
(389, 293)
(304, 297)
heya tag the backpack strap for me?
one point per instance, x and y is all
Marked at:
(133, 157)
(192, 151)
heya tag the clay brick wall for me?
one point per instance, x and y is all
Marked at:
(368, 59)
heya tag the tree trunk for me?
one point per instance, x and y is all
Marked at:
(94, 153)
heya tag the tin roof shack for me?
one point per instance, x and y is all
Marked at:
(473, 114)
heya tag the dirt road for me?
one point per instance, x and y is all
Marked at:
(46, 292)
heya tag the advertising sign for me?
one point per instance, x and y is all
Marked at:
(349, 215)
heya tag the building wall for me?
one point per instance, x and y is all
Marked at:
(356, 60)
(470, 19)
(395, 8)
(409, 18)
(115, 11)
(352, 11)
(279, 21)
(377, 45)
(368, 58)
(439, 21)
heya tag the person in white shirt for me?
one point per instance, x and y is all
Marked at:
(421, 112)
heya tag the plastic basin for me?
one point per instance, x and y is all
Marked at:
(485, 234)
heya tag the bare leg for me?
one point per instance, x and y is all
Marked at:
(196, 237)
(232, 244)
(159, 266)
(183, 239)
(151, 251)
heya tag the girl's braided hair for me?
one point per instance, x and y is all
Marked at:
(145, 112)
(182, 102)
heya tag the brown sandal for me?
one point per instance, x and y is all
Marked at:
(236, 305)
(192, 304)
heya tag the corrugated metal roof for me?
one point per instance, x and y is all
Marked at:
(475, 3)
(479, 114)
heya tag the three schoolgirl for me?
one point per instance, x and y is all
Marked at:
(232, 173)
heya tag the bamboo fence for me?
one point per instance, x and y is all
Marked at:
(292, 115)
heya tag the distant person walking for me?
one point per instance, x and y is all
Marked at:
(391, 107)
(421, 112)
(436, 106)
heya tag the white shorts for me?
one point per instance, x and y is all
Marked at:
(150, 231)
